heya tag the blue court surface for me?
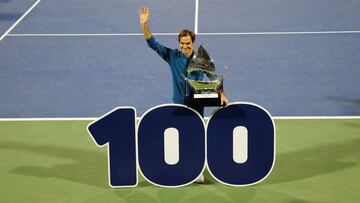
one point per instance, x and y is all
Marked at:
(83, 58)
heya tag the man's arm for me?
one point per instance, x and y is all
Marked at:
(153, 44)
(144, 18)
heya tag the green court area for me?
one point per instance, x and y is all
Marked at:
(57, 161)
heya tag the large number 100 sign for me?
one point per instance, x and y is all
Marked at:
(171, 145)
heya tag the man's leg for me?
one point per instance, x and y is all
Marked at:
(197, 108)
(200, 110)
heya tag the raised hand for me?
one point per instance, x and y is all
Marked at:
(144, 15)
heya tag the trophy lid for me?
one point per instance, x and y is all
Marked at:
(201, 62)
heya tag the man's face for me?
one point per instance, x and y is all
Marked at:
(186, 46)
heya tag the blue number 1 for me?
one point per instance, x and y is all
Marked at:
(118, 130)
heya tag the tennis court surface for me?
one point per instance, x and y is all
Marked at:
(56, 161)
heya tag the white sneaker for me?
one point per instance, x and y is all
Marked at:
(200, 179)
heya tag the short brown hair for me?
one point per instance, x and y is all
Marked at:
(185, 33)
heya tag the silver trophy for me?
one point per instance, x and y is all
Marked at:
(205, 92)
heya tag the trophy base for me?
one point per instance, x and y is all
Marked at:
(205, 100)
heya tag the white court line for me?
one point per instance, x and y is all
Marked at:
(86, 34)
(196, 24)
(50, 119)
(171, 34)
(314, 117)
(284, 33)
(19, 20)
(206, 118)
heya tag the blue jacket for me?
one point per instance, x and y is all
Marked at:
(178, 63)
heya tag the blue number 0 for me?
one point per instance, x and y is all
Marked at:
(240, 144)
(171, 145)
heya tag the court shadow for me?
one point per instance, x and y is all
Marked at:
(350, 106)
(144, 183)
(186, 194)
(209, 180)
(314, 161)
(9, 16)
(351, 123)
(88, 167)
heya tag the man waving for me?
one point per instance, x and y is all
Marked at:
(177, 60)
